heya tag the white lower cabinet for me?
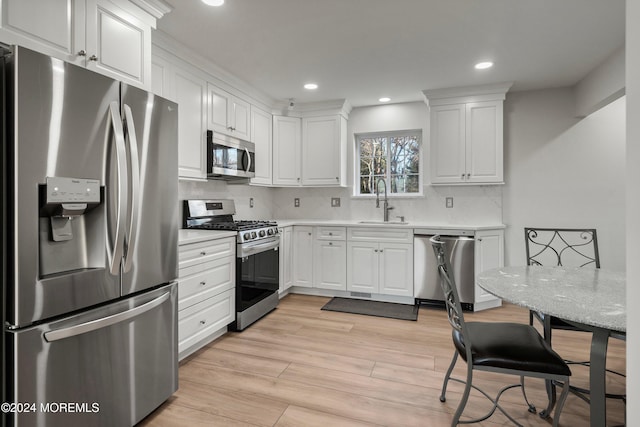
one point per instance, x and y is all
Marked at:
(489, 253)
(380, 261)
(206, 292)
(330, 258)
(285, 259)
(302, 256)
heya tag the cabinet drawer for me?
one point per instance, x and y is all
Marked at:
(203, 281)
(204, 318)
(331, 233)
(197, 253)
(391, 235)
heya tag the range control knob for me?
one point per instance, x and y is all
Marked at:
(246, 236)
(270, 232)
(253, 235)
(261, 233)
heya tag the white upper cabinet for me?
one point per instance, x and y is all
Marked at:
(466, 137)
(112, 37)
(229, 114)
(286, 151)
(262, 132)
(324, 151)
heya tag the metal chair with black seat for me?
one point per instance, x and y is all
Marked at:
(506, 348)
(564, 247)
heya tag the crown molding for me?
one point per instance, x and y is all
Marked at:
(454, 95)
(157, 8)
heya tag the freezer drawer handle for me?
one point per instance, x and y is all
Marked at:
(93, 325)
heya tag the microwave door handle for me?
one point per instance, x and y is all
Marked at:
(115, 249)
(132, 231)
(248, 160)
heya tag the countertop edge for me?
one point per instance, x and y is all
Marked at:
(186, 237)
(411, 225)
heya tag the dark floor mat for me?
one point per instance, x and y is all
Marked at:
(373, 308)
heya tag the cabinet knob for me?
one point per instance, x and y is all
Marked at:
(202, 322)
(203, 253)
(93, 58)
(381, 250)
(203, 283)
(462, 176)
(82, 53)
(298, 178)
(468, 175)
(337, 178)
(330, 234)
(375, 250)
(309, 234)
(330, 243)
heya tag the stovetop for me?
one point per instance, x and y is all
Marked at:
(218, 215)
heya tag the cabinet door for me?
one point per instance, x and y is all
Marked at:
(448, 144)
(190, 94)
(286, 262)
(261, 132)
(118, 42)
(220, 105)
(489, 253)
(396, 269)
(484, 158)
(53, 27)
(322, 151)
(303, 256)
(330, 265)
(286, 151)
(362, 267)
(240, 119)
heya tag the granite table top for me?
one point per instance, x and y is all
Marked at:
(592, 297)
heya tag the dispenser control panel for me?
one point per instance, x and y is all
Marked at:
(72, 190)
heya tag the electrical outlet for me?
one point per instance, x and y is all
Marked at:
(296, 202)
(251, 202)
(449, 202)
(335, 202)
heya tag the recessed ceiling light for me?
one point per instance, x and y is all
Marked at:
(483, 65)
(213, 2)
(384, 99)
(311, 86)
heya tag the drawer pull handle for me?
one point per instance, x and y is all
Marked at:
(203, 253)
(202, 322)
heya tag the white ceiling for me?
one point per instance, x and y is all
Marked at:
(364, 49)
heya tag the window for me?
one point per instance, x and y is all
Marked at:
(392, 156)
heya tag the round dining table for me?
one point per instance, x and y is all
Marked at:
(592, 299)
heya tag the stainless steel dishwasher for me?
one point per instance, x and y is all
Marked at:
(460, 247)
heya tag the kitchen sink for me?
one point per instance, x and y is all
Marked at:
(383, 222)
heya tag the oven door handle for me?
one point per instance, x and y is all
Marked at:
(245, 251)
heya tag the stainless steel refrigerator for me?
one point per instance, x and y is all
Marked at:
(89, 245)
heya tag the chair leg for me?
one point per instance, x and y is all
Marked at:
(465, 396)
(532, 408)
(446, 377)
(563, 398)
(551, 394)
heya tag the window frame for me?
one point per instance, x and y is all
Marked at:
(387, 134)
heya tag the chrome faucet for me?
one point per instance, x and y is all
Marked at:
(387, 208)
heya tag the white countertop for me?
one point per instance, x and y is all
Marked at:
(589, 296)
(393, 224)
(194, 236)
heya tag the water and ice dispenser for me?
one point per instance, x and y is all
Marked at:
(71, 228)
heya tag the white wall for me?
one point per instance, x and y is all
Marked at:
(633, 210)
(564, 172)
(472, 205)
(602, 85)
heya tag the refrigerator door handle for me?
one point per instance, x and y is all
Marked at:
(132, 232)
(116, 251)
(83, 328)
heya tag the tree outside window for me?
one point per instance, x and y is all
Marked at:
(394, 156)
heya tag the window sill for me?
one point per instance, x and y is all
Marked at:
(390, 196)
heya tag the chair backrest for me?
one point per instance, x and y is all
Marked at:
(568, 247)
(451, 298)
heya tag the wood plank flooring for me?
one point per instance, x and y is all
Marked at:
(300, 366)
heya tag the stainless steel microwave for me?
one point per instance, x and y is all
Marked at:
(229, 158)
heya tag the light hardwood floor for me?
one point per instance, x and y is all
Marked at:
(300, 366)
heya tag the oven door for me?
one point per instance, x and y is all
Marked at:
(229, 157)
(257, 281)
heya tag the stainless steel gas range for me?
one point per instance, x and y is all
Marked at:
(257, 260)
